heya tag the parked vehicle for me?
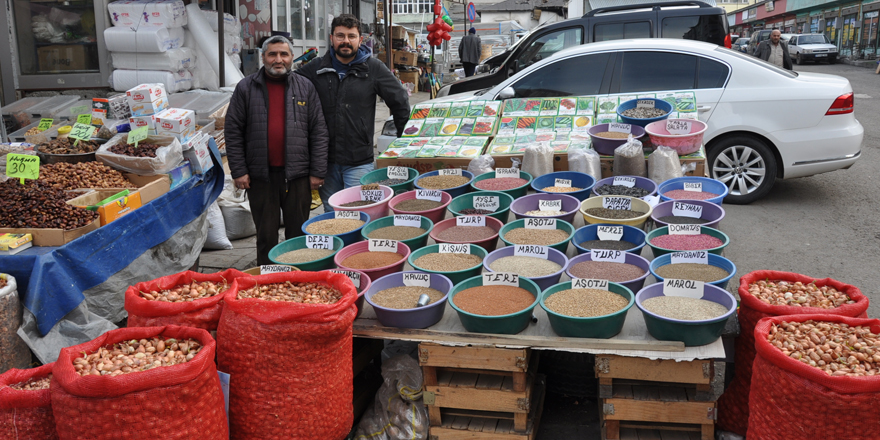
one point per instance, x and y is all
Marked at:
(741, 44)
(811, 47)
(763, 35)
(749, 141)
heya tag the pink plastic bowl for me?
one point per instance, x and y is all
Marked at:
(435, 215)
(487, 244)
(364, 246)
(353, 194)
(365, 286)
(682, 143)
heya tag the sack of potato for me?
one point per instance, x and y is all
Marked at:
(25, 404)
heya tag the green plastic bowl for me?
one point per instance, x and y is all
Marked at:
(466, 201)
(382, 174)
(412, 243)
(300, 243)
(503, 324)
(456, 276)
(515, 192)
(601, 327)
(658, 251)
(562, 246)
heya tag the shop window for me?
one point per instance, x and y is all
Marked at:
(56, 37)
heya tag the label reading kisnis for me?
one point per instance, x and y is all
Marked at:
(695, 257)
(562, 183)
(372, 195)
(682, 209)
(589, 283)
(319, 242)
(550, 205)
(449, 248)
(489, 203)
(678, 127)
(540, 223)
(608, 255)
(470, 220)
(501, 279)
(693, 186)
(351, 215)
(274, 268)
(398, 173)
(417, 280)
(355, 277)
(413, 221)
(429, 194)
(611, 233)
(628, 182)
(381, 245)
(507, 172)
(645, 103)
(531, 250)
(617, 203)
(450, 172)
(619, 127)
(685, 229)
(685, 288)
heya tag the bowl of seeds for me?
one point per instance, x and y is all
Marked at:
(539, 232)
(410, 299)
(409, 229)
(693, 188)
(399, 186)
(694, 265)
(361, 282)
(375, 263)
(643, 111)
(630, 186)
(514, 185)
(457, 262)
(573, 183)
(587, 312)
(629, 270)
(604, 140)
(419, 203)
(662, 242)
(338, 223)
(616, 210)
(545, 205)
(492, 203)
(484, 236)
(499, 303)
(299, 252)
(454, 184)
(541, 264)
(688, 212)
(611, 237)
(692, 320)
(371, 198)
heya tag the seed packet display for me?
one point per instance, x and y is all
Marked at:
(526, 138)
(526, 124)
(450, 127)
(579, 145)
(492, 108)
(466, 127)
(420, 111)
(586, 106)
(475, 108)
(471, 149)
(567, 106)
(563, 136)
(579, 136)
(519, 147)
(419, 142)
(544, 124)
(455, 141)
(685, 102)
(563, 124)
(549, 107)
(448, 151)
(559, 146)
(607, 104)
(429, 150)
(623, 98)
(438, 141)
(522, 107)
(413, 127)
(500, 149)
(484, 126)
(398, 152)
(647, 95)
(401, 142)
(606, 118)
(440, 110)
(507, 125)
(458, 109)
(431, 127)
(689, 115)
(541, 137)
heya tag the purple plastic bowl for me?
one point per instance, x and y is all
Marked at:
(570, 206)
(543, 282)
(641, 182)
(365, 285)
(422, 317)
(636, 260)
(712, 213)
(606, 146)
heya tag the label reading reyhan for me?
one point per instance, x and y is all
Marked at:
(589, 283)
(611, 233)
(540, 223)
(351, 215)
(413, 221)
(470, 220)
(379, 245)
(684, 229)
(489, 203)
(608, 255)
(449, 248)
(695, 257)
(617, 203)
(450, 172)
(319, 242)
(429, 194)
(626, 181)
(682, 209)
(417, 280)
(530, 250)
(501, 279)
(507, 172)
(686, 288)
(355, 277)
(398, 173)
(550, 205)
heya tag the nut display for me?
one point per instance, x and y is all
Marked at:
(68, 176)
(133, 356)
(36, 205)
(307, 293)
(65, 146)
(187, 292)
(835, 348)
(33, 131)
(784, 293)
(143, 149)
(33, 384)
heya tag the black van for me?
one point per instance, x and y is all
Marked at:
(690, 20)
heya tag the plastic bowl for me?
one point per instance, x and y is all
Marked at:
(434, 214)
(530, 202)
(362, 288)
(591, 232)
(455, 276)
(635, 260)
(641, 122)
(514, 192)
(637, 205)
(509, 324)
(714, 260)
(466, 201)
(453, 192)
(681, 143)
(382, 174)
(641, 182)
(562, 246)
(692, 333)
(412, 243)
(711, 216)
(300, 243)
(417, 317)
(605, 146)
(601, 327)
(578, 180)
(709, 185)
(364, 246)
(353, 194)
(658, 251)
(543, 282)
(488, 244)
(349, 237)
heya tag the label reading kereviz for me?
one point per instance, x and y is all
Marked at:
(686, 288)
(372, 195)
(274, 268)
(355, 277)
(685, 229)
(489, 203)
(540, 223)
(450, 172)
(413, 221)
(500, 279)
(589, 283)
(379, 245)
(645, 103)
(530, 250)
(608, 255)
(398, 173)
(429, 194)
(612, 233)
(319, 242)
(617, 203)
(695, 257)
(507, 172)
(355, 215)
(449, 248)
(682, 209)
(417, 280)
(628, 182)
(562, 183)
(693, 186)
(550, 205)
(470, 220)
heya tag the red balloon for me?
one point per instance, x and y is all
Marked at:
(445, 26)
(432, 27)
(447, 37)
(438, 10)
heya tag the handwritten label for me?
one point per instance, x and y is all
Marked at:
(618, 127)
(470, 220)
(501, 279)
(645, 103)
(381, 245)
(429, 194)
(611, 233)
(137, 135)
(550, 205)
(678, 127)
(531, 250)
(562, 183)
(589, 283)
(695, 257)
(617, 203)
(686, 288)
(682, 209)
(489, 203)
(628, 182)
(81, 132)
(693, 186)
(372, 195)
(398, 173)
(608, 255)
(507, 172)
(450, 248)
(22, 166)
(351, 215)
(416, 280)
(684, 229)
(413, 221)
(449, 172)
(45, 124)
(319, 242)
(355, 277)
(84, 119)
(274, 268)
(540, 223)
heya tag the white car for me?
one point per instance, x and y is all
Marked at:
(811, 47)
(763, 122)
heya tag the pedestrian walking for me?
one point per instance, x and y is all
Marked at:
(469, 51)
(774, 51)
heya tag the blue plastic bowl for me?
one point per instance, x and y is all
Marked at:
(709, 185)
(349, 237)
(714, 260)
(658, 103)
(641, 182)
(631, 234)
(578, 180)
(421, 317)
(454, 192)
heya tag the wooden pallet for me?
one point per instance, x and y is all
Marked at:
(363, 351)
(698, 373)
(658, 407)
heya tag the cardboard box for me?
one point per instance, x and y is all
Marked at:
(410, 77)
(180, 174)
(54, 237)
(150, 187)
(143, 121)
(176, 122)
(405, 58)
(62, 58)
(398, 33)
(147, 99)
(112, 210)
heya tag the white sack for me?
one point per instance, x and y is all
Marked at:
(236, 210)
(172, 60)
(216, 230)
(174, 82)
(138, 14)
(231, 25)
(150, 40)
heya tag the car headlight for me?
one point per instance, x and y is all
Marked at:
(808, 50)
(389, 129)
(832, 50)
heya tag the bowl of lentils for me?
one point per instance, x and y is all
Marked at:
(375, 264)
(573, 183)
(708, 239)
(458, 262)
(399, 186)
(626, 238)
(688, 212)
(604, 140)
(510, 185)
(411, 202)
(643, 111)
(631, 273)
(594, 212)
(587, 313)
(630, 186)
(501, 309)
(492, 203)
(486, 237)
(398, 305)
(296, 252)
(718, 270)
(354, 199)
(455, 185)
(525, 231)
(347, 229)
(694, 321)
(693, 188)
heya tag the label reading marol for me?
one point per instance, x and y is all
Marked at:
(530, 250)
(686, 288)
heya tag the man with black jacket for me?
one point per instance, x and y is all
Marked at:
(348, 80)
(276, 145)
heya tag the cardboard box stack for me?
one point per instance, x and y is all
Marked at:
(145, 101)
(176, 122)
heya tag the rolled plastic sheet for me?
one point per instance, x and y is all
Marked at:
(208, 43)
(149, 40)
(174, 82)
(140, 14)
(172, 60)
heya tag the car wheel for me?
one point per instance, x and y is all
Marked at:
(746, 165)
(832, 60)
(797, 59)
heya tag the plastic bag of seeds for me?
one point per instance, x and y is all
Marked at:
(398, 412)
(629, 159)
(663, 164)
(26, 414)
(538, 159)
(15, 352)
(167, 157)
(481, 164)
(733, 405)
(182, 401)
(585, 161)
(179, 308)
(290, 362)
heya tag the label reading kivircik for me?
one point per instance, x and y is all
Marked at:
(589, 283)
(550, 205)
(608, 255)
(355, 277)
(626, 181)
(319, 242)
(617, 203)
(685, 288)
(274, 268)
(610, 233)
(351, 215)
(382, 245)
(682, 209)
(562, 183)
(372, 195)
(531, 250)
(450, 248)
(417, 280)
(470, 220)
(695, 257)
(413, 221)
(693, 186)
(489, 203)
(507, 172)
(540, 223)
(618, 127)
(429, 194)
(449, 172)
(398, 173)
(501, 279)
(685, 229)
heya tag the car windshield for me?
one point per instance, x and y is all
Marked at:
(758, 61)
(812, 39)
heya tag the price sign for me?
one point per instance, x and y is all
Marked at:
(530, 250)
(274, 268)
(355, 277)
(416, 280)
(608, 255)
(413, 221)
(618, 127)
(372, 195)
(645, 103)
(652, 200)
(693, 186)
(84, 119)
(617, 203)
(589, 283)
(686, 288)
(81, 132)
(610, 233)
(450, 172)
(319, 242)
(695, 257)
(540, 223)
(682, 209)
(489, 203)
(398, 173)
(137, 135)
(80, 109)
(22, 166)
(470, 220)
(626, 181)
(507, 172)
(429, 194)
(684, 229)
(381, 245)
(45, 124)
(678, 126)
(562, 183)
(501, 279)
(450, 248)
(550, 205)
(349, 215)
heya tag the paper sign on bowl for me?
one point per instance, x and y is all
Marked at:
(429, 194)
(449, 172)
(540, 223)
(617, 203)
(562, 183)
(500, 279)
(319, 242)
(450, 248)
(413, 221)
(397, 173)
(695, 257)
(274, 268)
(608, 255)
(351, 215)
(470, 220)
(589, 283)
(550, 205)
(618, 127)
(531, 250)
(489, 203)
(382, 245)
(626, 181)
(682, 209)
(685, 288)
(507, 172)
(685, 229)
(678, 127)
(372, 195)
(610, 233)
(693, 186)
(417, 280)
(645, 103)
(355, 277)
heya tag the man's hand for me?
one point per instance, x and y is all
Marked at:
(243, 182)
(316, 182)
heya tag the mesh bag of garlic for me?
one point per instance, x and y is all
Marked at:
(25, 405)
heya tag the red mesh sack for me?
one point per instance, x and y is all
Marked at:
(201, 313)
(733, 405)
(181, 401)
(289, 363)
(792, 400)
(25, 415)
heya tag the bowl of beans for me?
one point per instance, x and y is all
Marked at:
(559, 206)
(630, 270)
(296, 251)
(630, 186)
(688, 212)
(573, 183)
(683, 144)
(604, 140)
(537, 231)
(455, 185)
(612, 237)
(511, 185)
(495, 308)
(396, 299)
(643, 111)
(492, 203)
(694, 321)
(411, 202)
(456, 262)
(486, 237)
(375, 264)
(709, 239)
(587, 312)
(359, 198)
(718, 270)
(541, 264)
(693, 188)
(401, 228)
(399, 186)
(594, 211)
(361, 282)
(333, 223)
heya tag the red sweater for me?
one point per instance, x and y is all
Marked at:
(277, 88)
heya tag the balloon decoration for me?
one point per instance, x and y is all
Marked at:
(438, 31)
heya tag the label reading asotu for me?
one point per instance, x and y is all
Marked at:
(608, 255)
(319, 242)
(589, 283)
(417, 280)
(530, 250)
(686, 288)
(501, 279)
(470, 220)
(611, 233)
(682, 209)
(540, 223)
(350, 215)
(380, 245)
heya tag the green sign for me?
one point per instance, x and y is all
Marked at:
(80, 109)
(45, 124)
(22, 166)
(82, 132)
(137, 135)
(84, 119)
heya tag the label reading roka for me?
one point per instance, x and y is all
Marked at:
(589, 283)
(682, 209)
(645, 103)
(628, 182)
(319, 242)
(489, 203)
(530, 250)
(355, 277)
(684, 229)
(500, 279)
(274, 268)
(550, 205)
(351, 215)
(608, 255)
(540, 223)
(398, 173)
(372, 195)
(413, 221)
(611, 233)
(470, 220)
(449, 172)
(379, 245)
(429, 194)
(507, 172)
(617, 203)
(686, 288)
(693, 186)
(449, 248)
(562, 183)
(695, 257)
(417, 280)
(618, 127)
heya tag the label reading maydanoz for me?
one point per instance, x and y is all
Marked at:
(413, 221)
(274, 268)
(696, 257)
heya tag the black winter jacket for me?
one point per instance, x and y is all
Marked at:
(350, 105)
(247, 126)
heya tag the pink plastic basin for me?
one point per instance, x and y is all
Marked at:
(365, 285)
(435, 215)
(364, 246)
(353, 194)
(487, 244)
(682, 143)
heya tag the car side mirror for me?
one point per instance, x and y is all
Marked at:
(507, 93)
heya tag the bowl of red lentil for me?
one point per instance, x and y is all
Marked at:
(349, 230)
(711, 214)
(644, 183)
(352, 198)
(709, 239)
(545, 272)
(529, 207)
(454, 185)
(361, 282)
(712, 191)
(395, 303)
(296, 252)
(464, 205)
(587, 313)
(375, 264)
(691, 325)
(557, 238)
(631, 274)
(718, 271)
(492, 308)
(455, 266)
(512, 186)
(387, 228)
(605, 141)
(485, 237)
(409, 203)
(581, 184)
(593, 212)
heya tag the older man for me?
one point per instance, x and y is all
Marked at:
(774, 50)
